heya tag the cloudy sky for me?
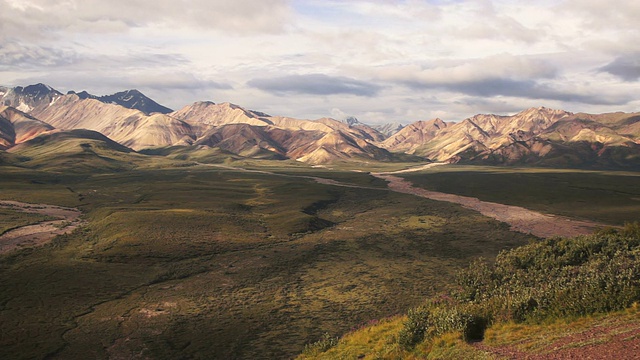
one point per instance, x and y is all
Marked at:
(380, 61)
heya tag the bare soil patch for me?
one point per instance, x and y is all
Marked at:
(41, 233)
(606, 342)
(521, 219)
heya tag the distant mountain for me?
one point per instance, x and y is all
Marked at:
(351, 121)
(536, 136)
(17, 127)
(204, 115)
(32, 97)
(226, 126)
(131, 99)
(388, 129)
(282, 137)
(27, 98)
(244, 140)
(129, 127)
(414, 136)
(338, 145)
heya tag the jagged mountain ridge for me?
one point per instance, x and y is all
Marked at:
(536, 136)
(29, 97)
(209, 124)
(132, 99)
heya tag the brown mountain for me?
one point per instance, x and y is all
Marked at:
(129, 127)
(338, 145)
(202, 116)
(442, 141)
(251, 133)
(536, 136)
(17, 127)
(225, 126)
(412, 136)
(244, 140)
(205, 115)
(311, 146)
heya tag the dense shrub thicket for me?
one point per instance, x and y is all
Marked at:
(554, 278)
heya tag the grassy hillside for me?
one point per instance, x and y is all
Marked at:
(609, 197)
(558, 295)
(78, 151)
(205, 262)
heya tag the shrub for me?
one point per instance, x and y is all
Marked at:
(557, 277)
(414, 328)
(553, 278)
(631, 230)
(437, 318)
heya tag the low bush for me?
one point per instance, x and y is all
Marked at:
(550, 279)
(415, 327)
(438, 318)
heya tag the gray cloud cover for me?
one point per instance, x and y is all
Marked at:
(528, 89)
(315, 84)
(626, 67)
(397, 60)
(16, 55)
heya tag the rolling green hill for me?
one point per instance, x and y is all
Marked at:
(74, 151)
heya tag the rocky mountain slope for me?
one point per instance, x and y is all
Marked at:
(536, 136)
(132, 99)
(388, 129)
(226, 126)
(130, 127)
(17, 127)
(27, 98)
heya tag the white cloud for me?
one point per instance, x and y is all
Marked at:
(407, 59)
(41, 17)
(501, 66)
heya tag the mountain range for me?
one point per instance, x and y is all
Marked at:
(131, 120)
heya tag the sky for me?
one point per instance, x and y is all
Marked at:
(380, 61)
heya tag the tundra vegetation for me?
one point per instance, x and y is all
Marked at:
(183, 260)
(532, 289)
